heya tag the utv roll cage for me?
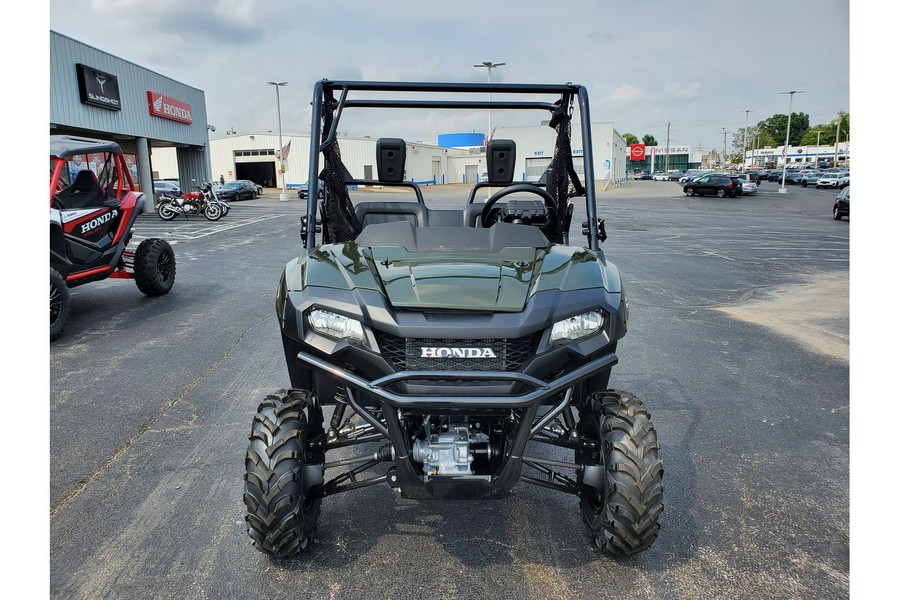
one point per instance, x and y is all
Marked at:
(339, 221)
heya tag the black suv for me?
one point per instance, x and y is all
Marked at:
(712, 183)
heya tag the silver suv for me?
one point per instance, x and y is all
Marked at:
(832, 180)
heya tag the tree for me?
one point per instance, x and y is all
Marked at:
(630, 139)
(828, 132)
(822, 134)
(765, 139)
(738, 138)
(650, 140)
(776, 127)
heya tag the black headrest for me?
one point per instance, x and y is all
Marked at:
(501, 160)
(85, 180)
(390, 156)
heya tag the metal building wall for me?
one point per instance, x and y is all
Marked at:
(356, 154)
(134, 81)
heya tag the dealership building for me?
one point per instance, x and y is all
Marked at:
(161, 125)
(455, 158)
(152, 117)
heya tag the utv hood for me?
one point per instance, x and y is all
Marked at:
(484, 281)
(492, 282)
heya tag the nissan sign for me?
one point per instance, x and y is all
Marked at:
(637, 152)
(98, 88)
(169, 108)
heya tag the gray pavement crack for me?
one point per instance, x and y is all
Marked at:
(70, 496)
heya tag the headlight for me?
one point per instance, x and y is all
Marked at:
(336, 326)
(577, 327)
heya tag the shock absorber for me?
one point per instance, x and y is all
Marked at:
(340, 399)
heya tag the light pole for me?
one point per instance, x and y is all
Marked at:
(278, 85)
(489, 66)
(787, 139)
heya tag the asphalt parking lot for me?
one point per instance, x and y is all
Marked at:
(738, 344)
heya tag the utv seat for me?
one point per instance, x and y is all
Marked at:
(451, 239)
(84, 192)
(370, 213)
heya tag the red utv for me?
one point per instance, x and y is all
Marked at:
(93, 205)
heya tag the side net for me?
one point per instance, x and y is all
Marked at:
(340, 217)
(562, 179)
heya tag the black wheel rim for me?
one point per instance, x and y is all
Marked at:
(596, 457)
(164, 266)
(56, 304)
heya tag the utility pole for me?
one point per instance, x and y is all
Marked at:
(755, 150)
(837, 138)
(746, 127)
(818, 139)
(668, 128)
(725, 146)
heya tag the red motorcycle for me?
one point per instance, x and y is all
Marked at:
(201, 201)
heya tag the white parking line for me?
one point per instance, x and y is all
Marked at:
(197, 230)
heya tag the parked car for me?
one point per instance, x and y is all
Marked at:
(303, 190)
(749, 177)
(810, 178)
(691, 176)
(256, 186)
(236, 190)
(169, 188)
(748, 188)
(844, 180)
(830, 180)
(774, 176)
(712, 183)
(675, 175)
(842, 205)
(644, 176)
(660, 177)
(743, 185)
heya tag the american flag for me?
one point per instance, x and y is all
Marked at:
(285, 151)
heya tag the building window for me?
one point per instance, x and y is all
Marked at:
(535, 167)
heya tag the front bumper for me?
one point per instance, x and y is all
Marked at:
(362, 393)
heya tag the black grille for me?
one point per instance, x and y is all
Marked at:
(406, 353)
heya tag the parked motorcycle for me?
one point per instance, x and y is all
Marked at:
(201, 201)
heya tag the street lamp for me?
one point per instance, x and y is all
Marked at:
(787, 139)
(277, 85)
(489, 66)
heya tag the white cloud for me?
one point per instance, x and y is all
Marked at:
(683, 91)
(625, 93)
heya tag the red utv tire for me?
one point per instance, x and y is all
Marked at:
(154, 267)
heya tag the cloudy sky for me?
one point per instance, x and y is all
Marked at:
(697, 65)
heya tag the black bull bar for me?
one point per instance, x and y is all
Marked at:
(407, 479)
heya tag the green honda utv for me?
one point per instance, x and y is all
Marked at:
(451, 344)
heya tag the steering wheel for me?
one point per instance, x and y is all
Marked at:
(512, 189)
